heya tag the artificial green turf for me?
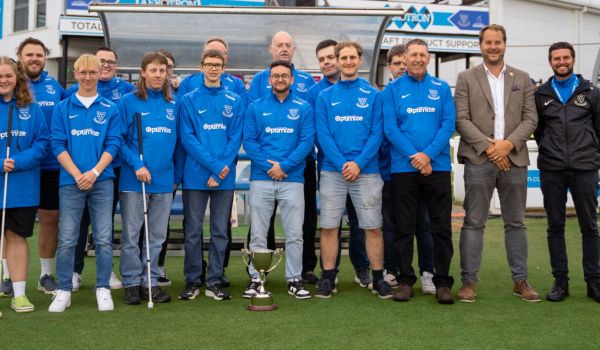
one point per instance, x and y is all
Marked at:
(352, 319)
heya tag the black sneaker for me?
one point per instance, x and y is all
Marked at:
(363, 277)
(217, 292)
(163, 280)
(382, 289)
(252, 289)
(158, 295)
(132, 295)
(325, 289)
(190, 292)
(559, 291)
(6, 288)
(593, 290)
(309, 277)
(47, 284)
(296, 289)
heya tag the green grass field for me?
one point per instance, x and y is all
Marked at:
(353, 319)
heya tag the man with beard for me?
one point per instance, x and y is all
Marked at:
(495, 115)
(47, 92)
(279, 133)
(567, 135)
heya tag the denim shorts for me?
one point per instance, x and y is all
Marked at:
(365, 193)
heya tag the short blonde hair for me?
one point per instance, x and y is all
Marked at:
(87, 61)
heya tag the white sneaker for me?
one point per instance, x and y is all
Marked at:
(61, 300)
(390, 278)
(114, 282)
(105, 302)
(427, 286)
(76, 280)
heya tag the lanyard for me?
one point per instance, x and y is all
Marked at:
(575, 84)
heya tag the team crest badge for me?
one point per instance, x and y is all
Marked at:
(580, 100)
(433, 95)
(100, 117)
(293, 114)
(50, 90)
(24, 113)
(301, 87)
(116, 95)
(362, 102)
(227, 111)
(170, 114)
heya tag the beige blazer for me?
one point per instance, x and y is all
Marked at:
(475, 114)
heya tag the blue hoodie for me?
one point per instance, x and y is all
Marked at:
(28, 146)
(279, 131)
(159, 136)
(47, 93)
(260, 84)
(211, 133)
(228, 81)
(350, 125)
(419, 116)
(112, 90)
(85, 134)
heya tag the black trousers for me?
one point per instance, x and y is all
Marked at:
(583, 186)
(435, 189)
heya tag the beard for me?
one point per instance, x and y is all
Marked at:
(31, 74)
(563, 75)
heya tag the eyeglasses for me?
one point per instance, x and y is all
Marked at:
(109, 63)
(280, 76)
(212, 65)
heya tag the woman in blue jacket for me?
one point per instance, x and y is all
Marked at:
(29, 139)
(153, 103)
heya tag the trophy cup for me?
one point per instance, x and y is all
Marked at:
(262, 259)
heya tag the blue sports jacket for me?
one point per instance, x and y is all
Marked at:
(28, 146)
(211, 134)
(419, 116)
(281, 131)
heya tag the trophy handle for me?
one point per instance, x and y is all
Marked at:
(278, 251)
(246, 253)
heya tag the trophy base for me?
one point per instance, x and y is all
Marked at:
(263, 308)
(262, 302)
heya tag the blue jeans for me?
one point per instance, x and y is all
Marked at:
(194, 208)
(290, 197)
(133, 267)
(72, 201)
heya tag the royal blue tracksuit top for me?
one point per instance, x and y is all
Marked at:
(419, 116)
(47, 93)
(211, 134)
(28, 146)
(281, 131)
(85, 133)
(350, 125)
(159, 126)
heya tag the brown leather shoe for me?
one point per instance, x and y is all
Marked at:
(444, 295)
(467, 293)
(403, 293)
(525, 291)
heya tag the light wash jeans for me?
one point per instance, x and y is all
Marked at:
(290, 197)
(71, 203)
(133, 267)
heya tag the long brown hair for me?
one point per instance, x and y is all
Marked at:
(22, 93)
(153, 57)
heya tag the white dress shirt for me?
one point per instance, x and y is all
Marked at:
(497, 88)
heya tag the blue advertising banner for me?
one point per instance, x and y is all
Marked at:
(1, 15)
(79, 7)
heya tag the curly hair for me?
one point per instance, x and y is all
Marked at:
(21, 93)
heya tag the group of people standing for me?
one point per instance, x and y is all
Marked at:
(381, 157)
